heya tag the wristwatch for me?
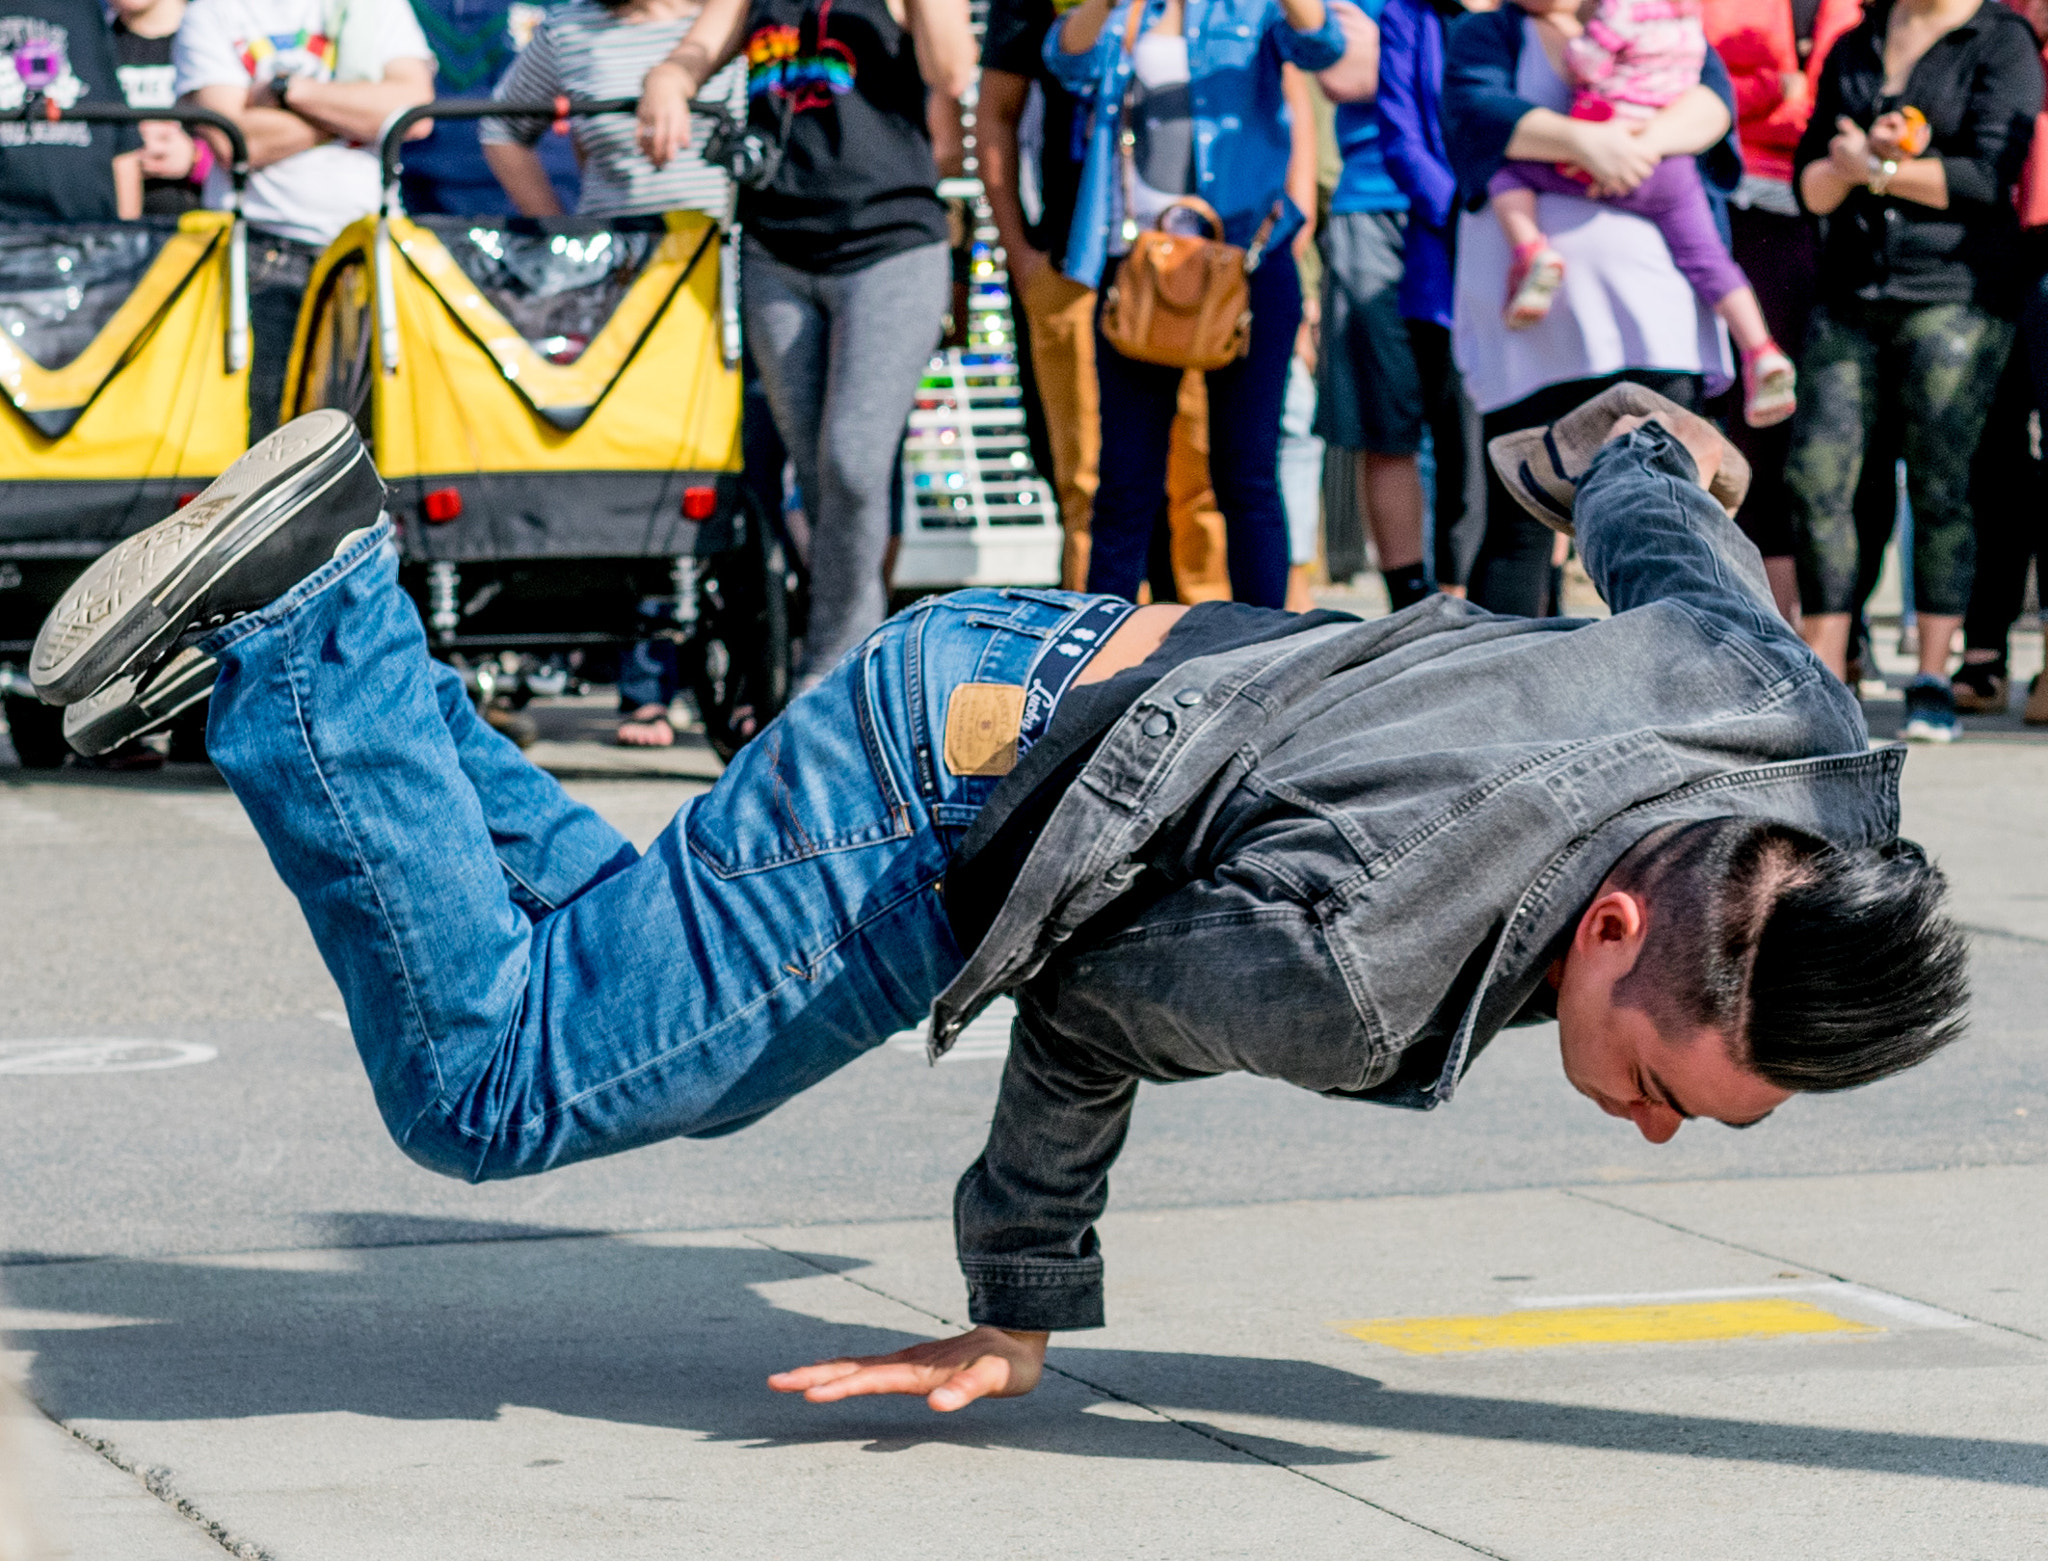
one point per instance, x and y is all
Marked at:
(281, 88)
(1881, 172)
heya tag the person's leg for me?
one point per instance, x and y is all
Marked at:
(520, 998)
(786, 334)
(278, 273)
(2005, 484)
(1138, 402)
(1777, 254)
(1301, 480)
(1190, 559)
(1956, 354)
(1244, 435)
(1062, 324)
(1379, 410)
(883, 323)
(1454, 433)
(1837, 409)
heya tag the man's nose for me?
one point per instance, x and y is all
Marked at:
(1656, 1123)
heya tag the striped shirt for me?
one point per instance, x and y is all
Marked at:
(585, 51)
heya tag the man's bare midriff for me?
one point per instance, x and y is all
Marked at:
(1136, 638)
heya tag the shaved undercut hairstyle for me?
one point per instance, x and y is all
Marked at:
(1825, 966)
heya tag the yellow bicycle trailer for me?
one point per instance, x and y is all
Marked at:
(124, 366)
(555, 404)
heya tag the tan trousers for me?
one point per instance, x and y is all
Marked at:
(1060, 314)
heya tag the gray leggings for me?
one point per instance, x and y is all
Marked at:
(840, 358)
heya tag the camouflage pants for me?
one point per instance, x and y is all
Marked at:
(1938, 365)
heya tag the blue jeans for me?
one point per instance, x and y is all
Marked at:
(1138, 405)
(527, 989)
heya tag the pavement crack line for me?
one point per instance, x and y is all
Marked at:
(158, 1482)
(1207, 1433)
(1780, 1257)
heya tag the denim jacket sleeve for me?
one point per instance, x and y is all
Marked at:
(1405, 137)
(1314, 51)
(1161, 999)
(1648, 533)
(1081, 74)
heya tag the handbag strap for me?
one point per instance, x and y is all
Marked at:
(1127, 137)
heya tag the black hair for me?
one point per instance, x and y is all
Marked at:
(1825, 966)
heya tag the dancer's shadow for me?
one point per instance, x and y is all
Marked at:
(652, 1333)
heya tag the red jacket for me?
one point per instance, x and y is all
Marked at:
(2032, 194)
(1755, 41)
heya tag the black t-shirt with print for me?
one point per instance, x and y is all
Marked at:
(149, 80)
(62, 172)
(857, 178)
(1015, 41)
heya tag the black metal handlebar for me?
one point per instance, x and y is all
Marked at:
(37, 106)
(559, 110)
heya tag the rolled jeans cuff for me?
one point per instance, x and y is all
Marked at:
(1034, 1294)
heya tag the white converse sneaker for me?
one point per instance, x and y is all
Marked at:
(267, 522)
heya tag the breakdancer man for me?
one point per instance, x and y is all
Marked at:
(1345, 854)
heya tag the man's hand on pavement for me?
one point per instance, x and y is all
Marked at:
(949, 1373)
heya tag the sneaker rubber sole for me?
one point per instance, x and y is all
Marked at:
(135, 705)
(227, 552)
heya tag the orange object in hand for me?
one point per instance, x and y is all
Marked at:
(1918, 132)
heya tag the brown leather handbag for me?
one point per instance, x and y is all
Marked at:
(1178, 299)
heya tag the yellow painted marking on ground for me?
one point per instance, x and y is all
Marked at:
(1682, 1322)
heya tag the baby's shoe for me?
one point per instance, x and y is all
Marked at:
(1534, 277)
(1769, 386)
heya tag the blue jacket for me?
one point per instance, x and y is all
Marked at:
(1480, 107)
(1235, 49)
(1412, 142)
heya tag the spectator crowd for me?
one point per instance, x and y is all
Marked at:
(1824, 223)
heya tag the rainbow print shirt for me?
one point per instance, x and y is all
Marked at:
(777, 65)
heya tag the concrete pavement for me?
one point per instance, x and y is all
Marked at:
(264, 1332)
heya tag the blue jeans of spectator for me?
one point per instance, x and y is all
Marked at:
(525, 988)
(647, 668)
(1138, 404)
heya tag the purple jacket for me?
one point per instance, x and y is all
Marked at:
(1412, 141)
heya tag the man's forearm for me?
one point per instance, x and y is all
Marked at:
(271, 133)
(355, 110)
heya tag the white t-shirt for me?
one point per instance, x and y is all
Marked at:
(1623, 305)
(312, 195)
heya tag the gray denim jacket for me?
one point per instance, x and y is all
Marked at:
(1346, 858)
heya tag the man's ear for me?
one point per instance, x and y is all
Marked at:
(1612, 929)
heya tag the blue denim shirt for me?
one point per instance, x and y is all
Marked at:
(1235, 50)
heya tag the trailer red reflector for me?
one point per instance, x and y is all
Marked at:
(442, 505)
(700, 503)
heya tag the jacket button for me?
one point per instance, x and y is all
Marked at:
(1157, 724)
(1188, 696)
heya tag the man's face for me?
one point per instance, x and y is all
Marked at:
(1614, 1054)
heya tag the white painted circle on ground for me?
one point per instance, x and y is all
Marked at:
(100, 1056)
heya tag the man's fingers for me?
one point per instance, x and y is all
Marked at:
(812, 1376)
(990, 1374)
(882, 1377)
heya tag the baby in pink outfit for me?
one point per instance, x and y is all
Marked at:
(1629, 59)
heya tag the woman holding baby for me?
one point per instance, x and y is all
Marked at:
(1608, 300)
